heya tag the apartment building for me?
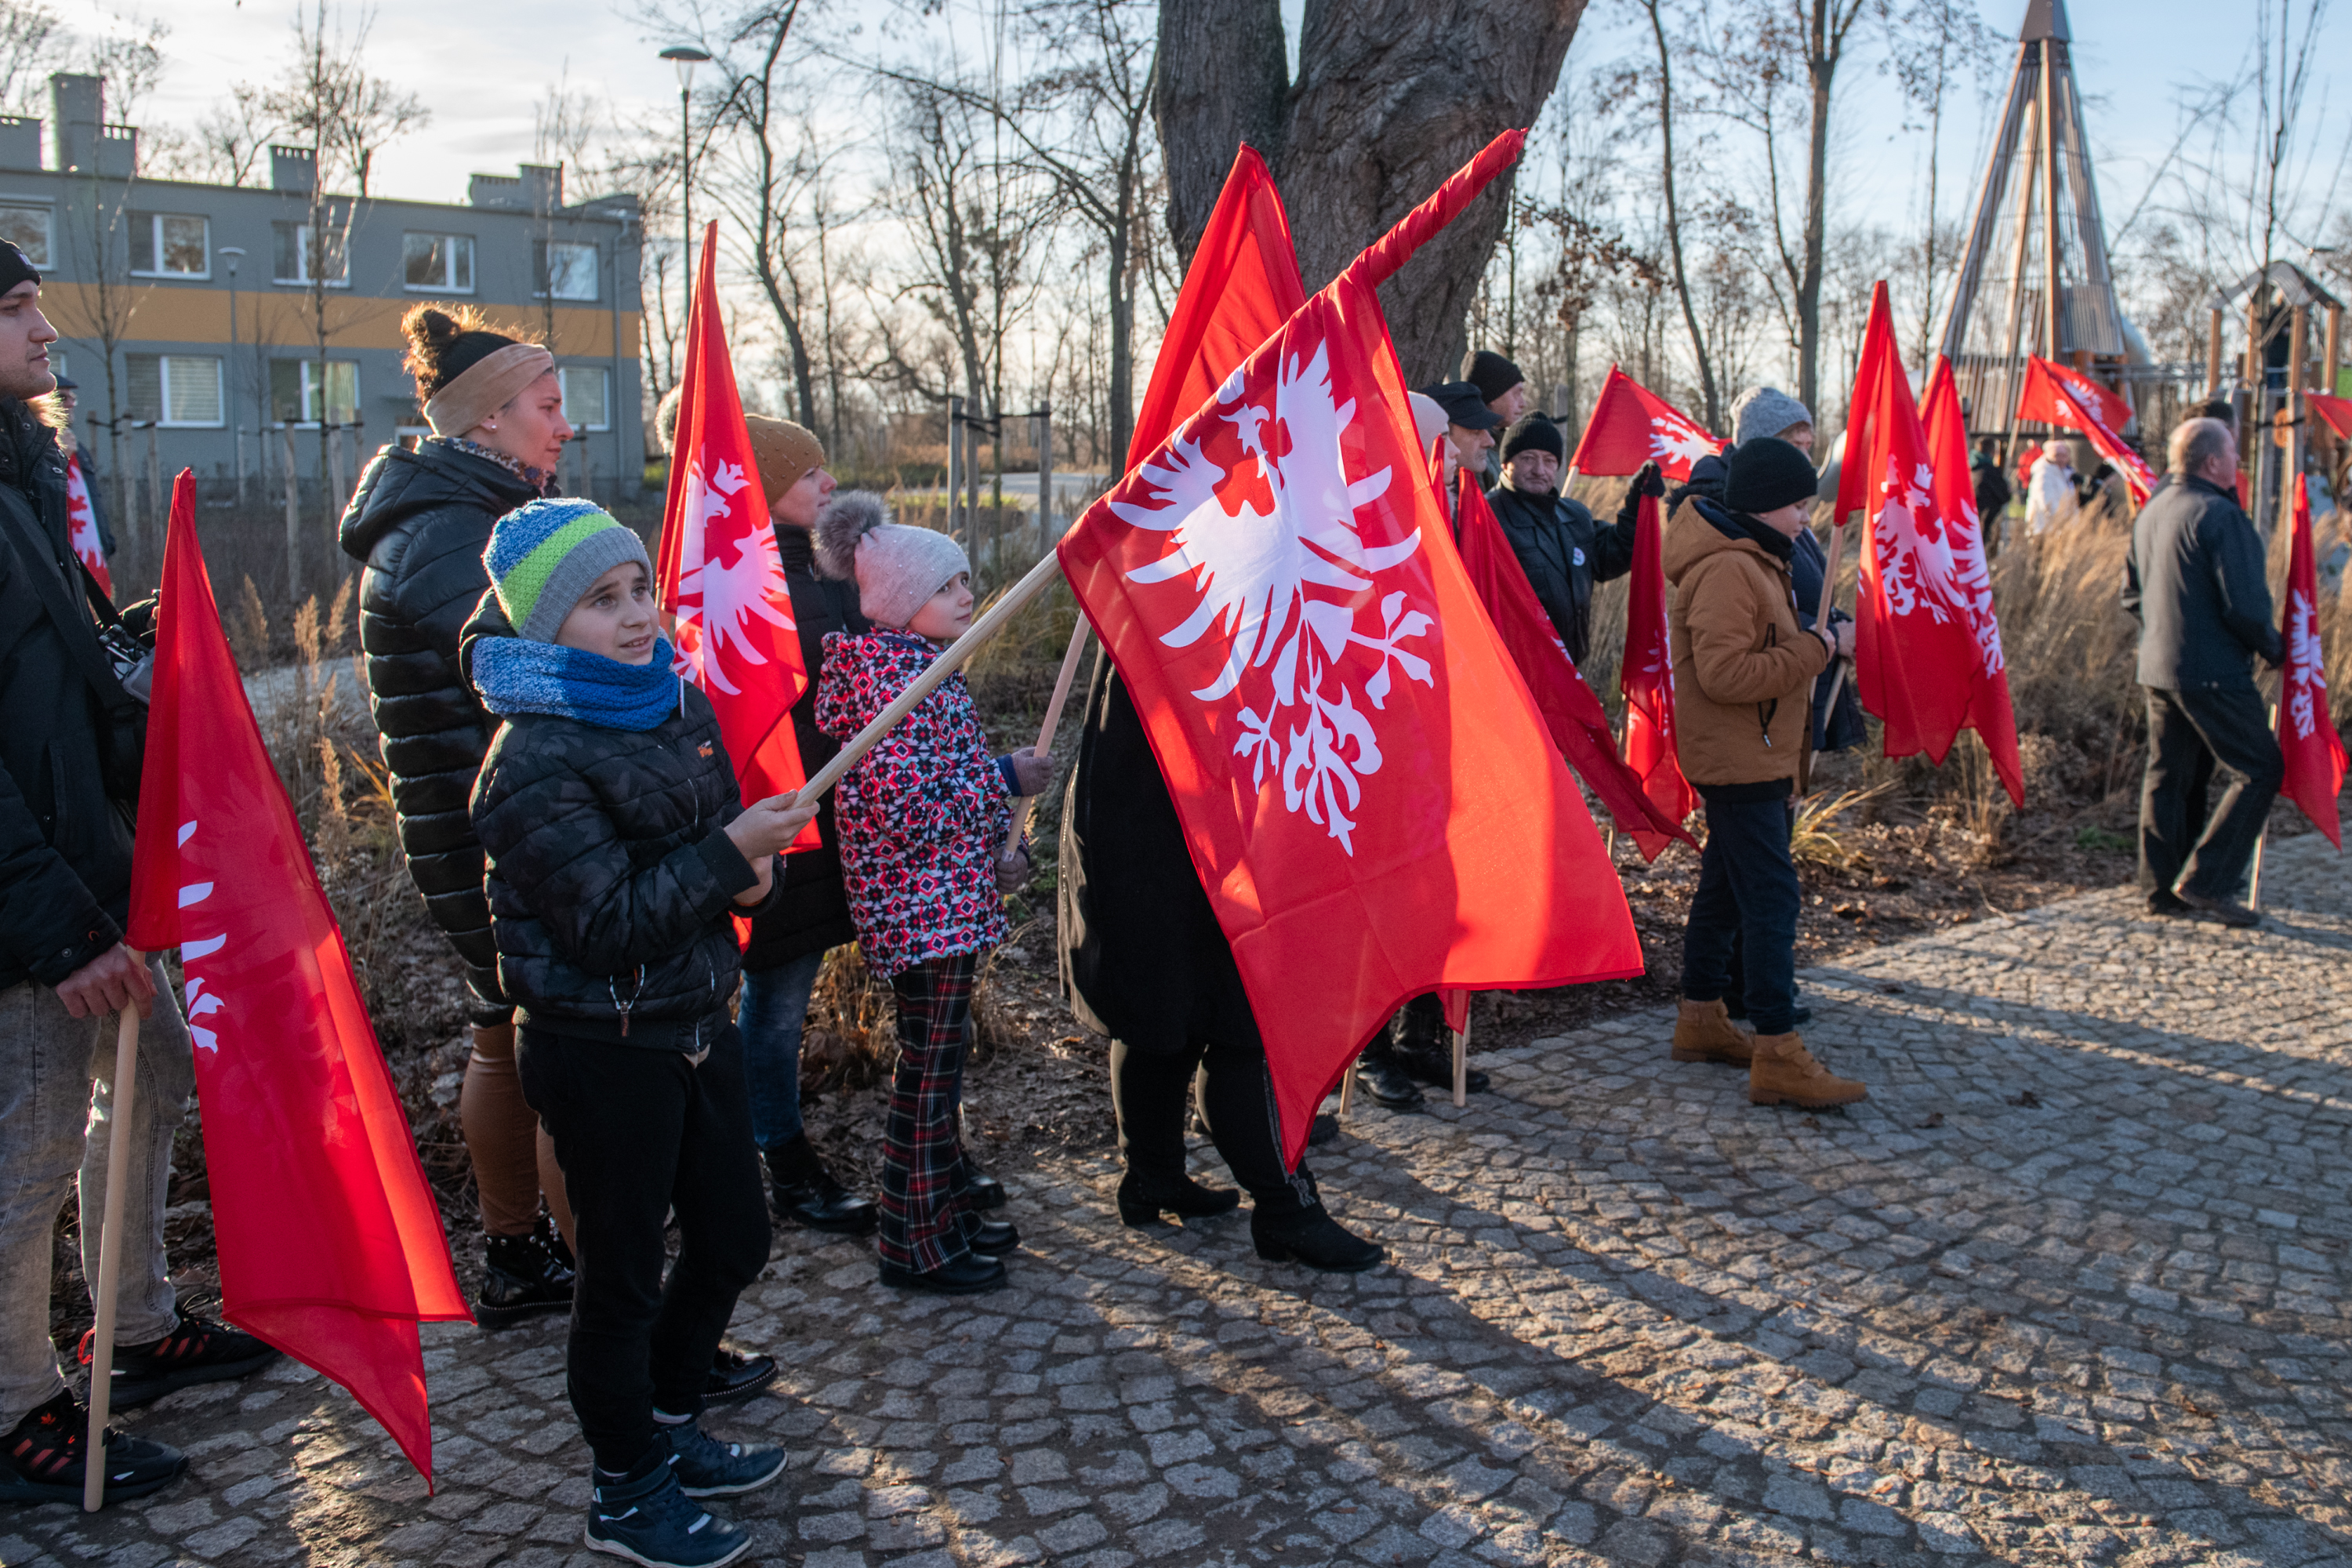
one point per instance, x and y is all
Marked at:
(244, 326)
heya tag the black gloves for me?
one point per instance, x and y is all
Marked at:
(1648, 482)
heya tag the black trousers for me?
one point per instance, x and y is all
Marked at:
(1748, 897)
(1151, 1091)
(641, 1133)
(2194, 739)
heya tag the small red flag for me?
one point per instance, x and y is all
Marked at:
(1578, 724)
(722, 575)
(1917, 659)
(330, 1239)
(2059, 394)
(2308, 740)
(1989, 713)
(2337, 411)
(1632, 426)
(1646, 676)
(1368, 794)
(81, 524)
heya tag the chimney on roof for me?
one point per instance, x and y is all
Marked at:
(533, 188)
(293, 169)
(78, 110)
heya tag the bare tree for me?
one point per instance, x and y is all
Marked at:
(33, 42)
(1936, 39)
(1710, 395)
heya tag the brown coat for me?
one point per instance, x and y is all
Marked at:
(1743, 665)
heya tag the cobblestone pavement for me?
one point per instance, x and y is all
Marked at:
(2070, 1287)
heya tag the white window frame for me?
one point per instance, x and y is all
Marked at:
(156, 246)
(473, 263)
(564, 379)
(167, 420)
(302, 259)
(304, 387)
(48, 212)
(596, 267)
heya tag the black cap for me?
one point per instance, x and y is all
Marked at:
(1535, 433)
(1463, 403)
(1767, 474)
(68, 383)
(15, 268)
(1490, 372)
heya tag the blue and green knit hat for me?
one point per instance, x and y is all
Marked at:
(545, 556)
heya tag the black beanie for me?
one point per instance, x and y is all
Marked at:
(1490, 372)
(1767, 474)
(14, 267)
(1534, 433)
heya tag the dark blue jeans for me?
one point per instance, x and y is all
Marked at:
(775, 1007)
(1747, 893)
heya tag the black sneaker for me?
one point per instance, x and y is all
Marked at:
(198, 1350)
(524, 1276)
(736, 1377)
(41, 1459)
(705, 1467)
(649, 1520)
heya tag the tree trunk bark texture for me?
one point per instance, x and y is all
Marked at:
(1392, 96)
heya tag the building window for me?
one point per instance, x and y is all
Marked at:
(566, 271)
(300, 261)
(170, 245)
(442, 262)
(27, 228)
(175, 389)
(587, 391)
(294, 390)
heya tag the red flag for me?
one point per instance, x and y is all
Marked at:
(2308, 740)
(81, 525)
(330, 1242)
(1386, 256)
(1578, 725)
(1632, 426)
(1646, 676)
(1368, 794)
(720, 574)
(2057, 394)
(1241, 286)
(2337, 411)
(1989, 713)
(1917, 659)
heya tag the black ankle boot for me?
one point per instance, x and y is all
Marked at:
(522, 1276)
(807, 1195)
(1142, 1198)
(1313, 1238)
(1383, 1076)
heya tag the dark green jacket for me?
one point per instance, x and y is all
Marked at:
(2196, 583)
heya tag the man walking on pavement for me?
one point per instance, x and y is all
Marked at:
(2195, 583)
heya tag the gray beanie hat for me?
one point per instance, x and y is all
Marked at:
(1767, 411)
(897, 566)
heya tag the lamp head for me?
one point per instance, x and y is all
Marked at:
(686, 57)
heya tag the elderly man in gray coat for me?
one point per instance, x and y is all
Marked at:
(2195, 583)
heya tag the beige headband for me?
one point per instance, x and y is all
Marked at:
(487, 386)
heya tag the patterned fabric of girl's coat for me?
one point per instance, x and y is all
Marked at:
(921, 815)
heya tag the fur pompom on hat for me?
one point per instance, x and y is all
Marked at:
(897, 566)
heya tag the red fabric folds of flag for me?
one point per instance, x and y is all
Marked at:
(2059, 394)
(722, 575)
(1989, 713)
(1646, 676)
(1241, 285)
(330, 1239)
(1368, 794)
(2308, 740)
(1917, 659)
(1632, 426)
(1578, 724)
(2337, 411)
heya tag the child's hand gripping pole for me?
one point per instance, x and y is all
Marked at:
(1045, 732)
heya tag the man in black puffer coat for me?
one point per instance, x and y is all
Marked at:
(1560, 547)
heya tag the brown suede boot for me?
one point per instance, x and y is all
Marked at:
(1784, 1070)
(1703, 1032)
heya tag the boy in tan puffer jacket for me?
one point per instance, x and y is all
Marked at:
(1744, 667)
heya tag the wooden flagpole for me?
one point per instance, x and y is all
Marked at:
(109, 1256)
(1045, 730)
(1461, 1063)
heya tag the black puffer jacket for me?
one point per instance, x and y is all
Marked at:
(610, 882)
(812, 911)
(1564, 552)
(64, 835)
(420, 519)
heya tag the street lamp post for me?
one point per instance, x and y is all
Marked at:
(234, 252)
(686, 57)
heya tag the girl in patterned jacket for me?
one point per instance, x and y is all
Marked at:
(920, 819)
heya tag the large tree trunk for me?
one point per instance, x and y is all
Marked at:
(1393, 97)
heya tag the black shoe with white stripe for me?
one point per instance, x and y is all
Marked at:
(649, 1520)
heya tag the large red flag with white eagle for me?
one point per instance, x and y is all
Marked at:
(1632, 426)
(2060, 394)
(1989, 713)
(722, 575)
(1369, 796)
(330, 1239)
(2308, 740)
(1916, 657)
(1578, 724)
(1645, 678)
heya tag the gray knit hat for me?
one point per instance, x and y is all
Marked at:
(1767, 411)
(897, 566)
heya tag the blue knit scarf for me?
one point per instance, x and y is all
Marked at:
(517, 675)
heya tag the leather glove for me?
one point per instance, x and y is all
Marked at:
(1649, 482)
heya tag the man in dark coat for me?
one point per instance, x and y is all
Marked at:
(2196, 583)
(1992, 492)
(1560, 547)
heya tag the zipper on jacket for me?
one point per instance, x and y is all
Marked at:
(1766, 709)
(624, 1008)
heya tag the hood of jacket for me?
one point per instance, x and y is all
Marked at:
(400, 484)
(1700, 528)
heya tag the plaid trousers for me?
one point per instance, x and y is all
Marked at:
(924, 1186)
